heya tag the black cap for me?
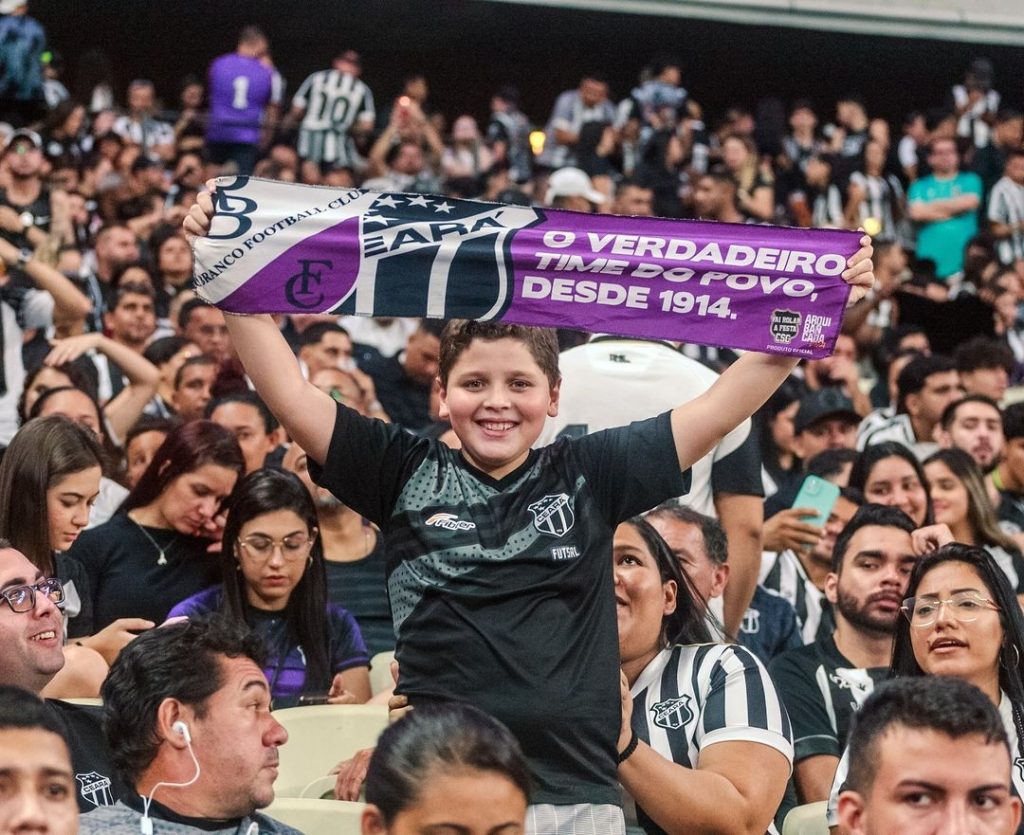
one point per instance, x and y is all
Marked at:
(821, 404)
(142, 162)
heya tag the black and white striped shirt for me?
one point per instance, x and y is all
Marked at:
(882, 199)
(333, 101)
(784, 574)
(1006, 206)
(693, 696)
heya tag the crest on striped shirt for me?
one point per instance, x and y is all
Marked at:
(672, 713)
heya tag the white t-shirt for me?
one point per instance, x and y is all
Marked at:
(612, 381)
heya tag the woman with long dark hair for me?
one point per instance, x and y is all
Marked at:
(961, 619)
(960, 501)
(49, 480)
(274, 581)
(705, 742)
(155, 551)
(888, 473)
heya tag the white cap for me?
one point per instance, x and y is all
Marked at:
(8, 6)
(572, 182)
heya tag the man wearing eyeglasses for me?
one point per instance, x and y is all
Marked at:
(823, 684)
(32, 653)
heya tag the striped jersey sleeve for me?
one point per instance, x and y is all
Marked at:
(694, 696)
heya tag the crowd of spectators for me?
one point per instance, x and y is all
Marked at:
(143, 471)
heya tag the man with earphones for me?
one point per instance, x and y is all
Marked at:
(187, 718)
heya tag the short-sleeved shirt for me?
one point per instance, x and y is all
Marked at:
(501, 590)
(286, 662)
(1006, 206)
(361, 587)
(783, 574)
(128, 579)
(96, 780)
(240, 88)
(822, 690)
(690, 697)
(333, 101)
(944, 240)
(611, 381)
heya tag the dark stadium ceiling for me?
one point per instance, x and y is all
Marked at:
(973, 21)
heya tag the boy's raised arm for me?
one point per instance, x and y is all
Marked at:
(744, 387)
(304, 411)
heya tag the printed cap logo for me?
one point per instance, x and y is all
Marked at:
(553, 514)
(672, 713)
(785, 325)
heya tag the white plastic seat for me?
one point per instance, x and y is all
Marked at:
(321, 736)
(318, 817)
(808, 819)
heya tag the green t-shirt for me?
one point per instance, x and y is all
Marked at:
(944, 240)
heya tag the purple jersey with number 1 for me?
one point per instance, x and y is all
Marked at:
(240, 87)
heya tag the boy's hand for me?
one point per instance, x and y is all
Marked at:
(859, 272)
(197, 222)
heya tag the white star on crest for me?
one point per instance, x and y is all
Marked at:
(368, 220)
(419, 200)
(387, 200)
(445, 207)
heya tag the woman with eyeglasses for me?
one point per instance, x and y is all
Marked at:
(275, 581)
(962, 619)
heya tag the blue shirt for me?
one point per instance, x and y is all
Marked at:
(286, 662)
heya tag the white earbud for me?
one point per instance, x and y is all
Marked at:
(182, 729)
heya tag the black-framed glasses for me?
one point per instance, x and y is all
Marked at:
(22, 599)
(294, 547)
(965, 606)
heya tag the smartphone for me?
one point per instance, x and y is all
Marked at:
(819, 494)
(313, 699)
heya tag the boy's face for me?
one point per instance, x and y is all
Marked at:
(497, 399)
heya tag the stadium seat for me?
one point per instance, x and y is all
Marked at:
(319, 737)
(808, 819)
(317, 817)
(320, 789)
(380, 672)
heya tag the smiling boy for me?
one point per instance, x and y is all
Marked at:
(499, 573)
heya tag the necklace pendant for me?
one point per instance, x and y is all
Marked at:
(162, 560)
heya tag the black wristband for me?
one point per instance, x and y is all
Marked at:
(627, 752)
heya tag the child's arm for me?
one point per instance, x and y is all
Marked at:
(304, 411)
(744, 387)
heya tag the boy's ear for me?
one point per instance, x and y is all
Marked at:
(556, 391)
(442, 407)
